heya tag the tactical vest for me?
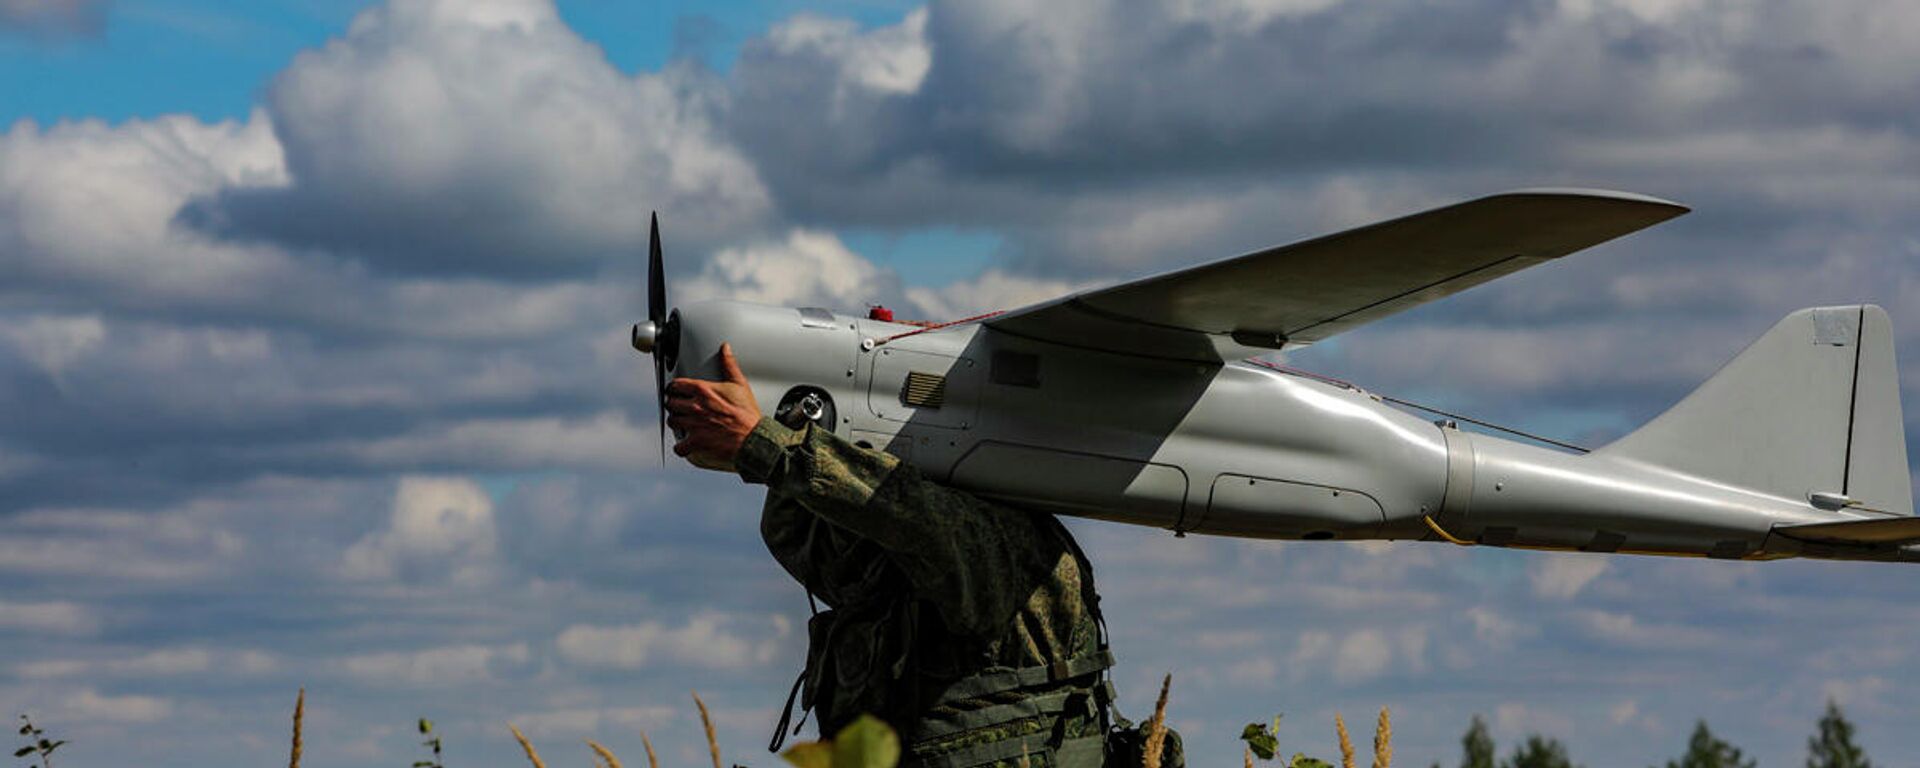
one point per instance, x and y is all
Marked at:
(932, 697)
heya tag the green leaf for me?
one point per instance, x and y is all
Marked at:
(1302, 761)
(423, 764)
(866, 743)
(1261, 741)
(23, 752)
(812, 754)
(426, 726)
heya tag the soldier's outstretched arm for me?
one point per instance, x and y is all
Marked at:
(977, 561)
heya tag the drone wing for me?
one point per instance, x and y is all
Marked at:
(1304, 292)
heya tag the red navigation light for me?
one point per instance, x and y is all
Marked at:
(880, 313)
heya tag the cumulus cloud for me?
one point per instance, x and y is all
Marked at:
(814, 268)
(808, 268)
(486, 138)
(163, 662)
(1563, 576)
(441, 529)
(607, 440)
(90, 206)
(592, 721)
(55, 342)
(1626, 630)
(1364, 655)
(115, 547)
(703, 642)
(993, 289)
(89, 705)
(56, 617)
(444, 665)
(307, 349)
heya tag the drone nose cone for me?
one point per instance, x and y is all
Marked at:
(645, 336)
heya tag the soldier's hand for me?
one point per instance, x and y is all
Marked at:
(712, 417)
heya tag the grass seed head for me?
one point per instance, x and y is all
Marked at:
(706, 721)
(299, 713)
(653, 761)
(1157, 728)
(605, 755)
(532, 756)
(1346, 744)
(1383, 742)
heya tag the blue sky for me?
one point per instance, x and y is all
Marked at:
(312, 360)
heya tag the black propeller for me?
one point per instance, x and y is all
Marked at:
(659, 335)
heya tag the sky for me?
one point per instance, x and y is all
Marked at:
(313, 367)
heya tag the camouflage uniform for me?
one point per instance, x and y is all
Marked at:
(971, 627)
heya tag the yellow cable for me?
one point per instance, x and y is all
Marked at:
(1428, 519)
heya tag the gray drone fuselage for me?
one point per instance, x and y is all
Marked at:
(1237, 449)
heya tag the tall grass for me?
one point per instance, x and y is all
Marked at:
(299, 712)
(1155, 731)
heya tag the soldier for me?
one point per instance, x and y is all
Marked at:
(972, 628)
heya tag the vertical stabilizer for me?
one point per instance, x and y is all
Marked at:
(1811, 411)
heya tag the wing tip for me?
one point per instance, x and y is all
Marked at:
(1598, 194)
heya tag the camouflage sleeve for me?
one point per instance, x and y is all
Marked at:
(976, 561)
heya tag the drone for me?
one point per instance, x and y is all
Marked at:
(1153, 402)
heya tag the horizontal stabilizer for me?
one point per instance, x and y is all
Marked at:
(1890, 530)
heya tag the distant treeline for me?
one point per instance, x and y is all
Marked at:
(1830, 746)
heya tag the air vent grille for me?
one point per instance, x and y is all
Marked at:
(924, 390)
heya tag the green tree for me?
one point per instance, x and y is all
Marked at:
(1476, 747)
(1705, 750)
(1539, 752)
(1832, 745)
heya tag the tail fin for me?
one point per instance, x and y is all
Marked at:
(1810, 411)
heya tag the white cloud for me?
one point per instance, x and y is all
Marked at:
(88, 705)
(1858, 692)
(703, 642)
(1259, 671)
(1494, 630)
(592, 722)
(440, 529)
(1247, 16)
(1624, 712)
(1562, 576)
(1363, 656)
(1517, 717)
(53, 617)
(808, 268)
(106, 547)
(607, 440)
(1627, 631)
(264, 329)
(891, 59)
(485, 138)
(991, 290)
(55, 342)
(451, 665)
(88, 204)
(163, 662)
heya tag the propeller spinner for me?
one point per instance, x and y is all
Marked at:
(660, 334)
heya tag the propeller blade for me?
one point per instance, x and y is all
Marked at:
(657, 314)
(656, 276)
